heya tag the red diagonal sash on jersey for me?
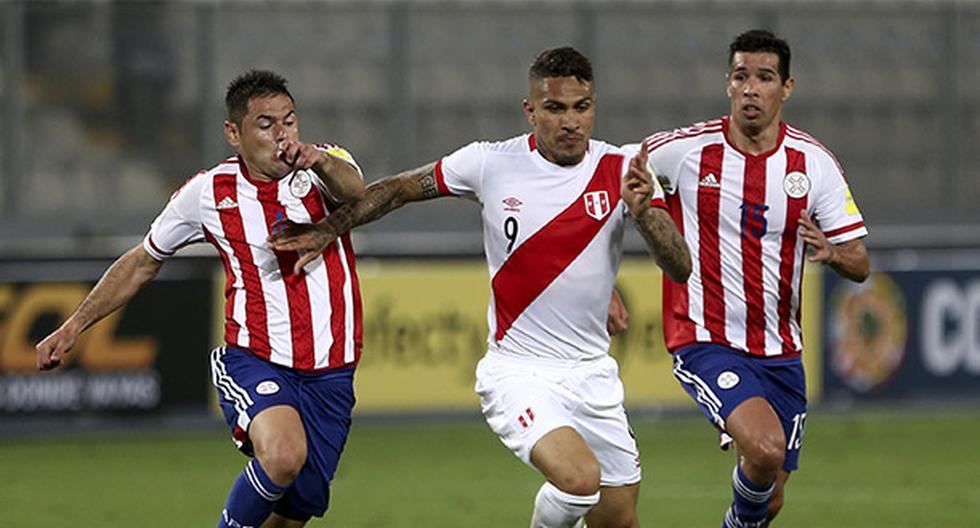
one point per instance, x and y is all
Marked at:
(537, 262)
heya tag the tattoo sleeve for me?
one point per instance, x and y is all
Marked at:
(428, 184)
(384, 196)
(665, 243)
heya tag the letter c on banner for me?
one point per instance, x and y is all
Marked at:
(942, 350)
(971, 328)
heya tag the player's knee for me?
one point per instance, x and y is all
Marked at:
(283, 460)
(583, 480)
(766, 451)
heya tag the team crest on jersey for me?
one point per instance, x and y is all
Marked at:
(300, 184)
(597, 204)
(796, 184)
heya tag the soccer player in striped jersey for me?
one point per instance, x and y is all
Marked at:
(554, 203)
(292, 334)
(754, 198)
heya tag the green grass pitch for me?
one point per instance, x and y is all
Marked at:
(911, 471)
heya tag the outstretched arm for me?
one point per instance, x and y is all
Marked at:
(654, 224)
(127, 275)
(849, 259)
(380, 198)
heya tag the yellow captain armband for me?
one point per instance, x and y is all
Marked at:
(341, 153)
(850, 207)
(656, 184)
(662, 183)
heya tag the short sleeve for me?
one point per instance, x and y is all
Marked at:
(665, 158)
(834, 209)
(179, 224)
(459, 173)
(340, 153)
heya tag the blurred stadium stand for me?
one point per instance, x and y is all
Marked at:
(109, 106)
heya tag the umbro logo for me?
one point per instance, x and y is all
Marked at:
(226, 203)
(512, 204)
(710, 181)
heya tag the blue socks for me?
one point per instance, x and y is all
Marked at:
(751, 505)
(251, 500)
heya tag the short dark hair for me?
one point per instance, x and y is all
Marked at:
(762, 41)
(251, 84)
(561, 62)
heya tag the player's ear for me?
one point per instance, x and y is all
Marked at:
(788, 88)
(529, 112)
(232, 134)
(728, 84)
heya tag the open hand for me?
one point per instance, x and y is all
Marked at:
(308, 239)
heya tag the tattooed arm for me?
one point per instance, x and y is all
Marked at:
(657, 228)
(380, 198)
(665, 243)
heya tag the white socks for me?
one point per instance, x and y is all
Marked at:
(553, 508)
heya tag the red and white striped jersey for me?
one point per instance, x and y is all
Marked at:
(552, 236)
(740, 216)
(309, 321)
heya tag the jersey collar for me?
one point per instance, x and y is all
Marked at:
(779, 140)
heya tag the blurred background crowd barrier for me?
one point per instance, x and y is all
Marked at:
(107, 107)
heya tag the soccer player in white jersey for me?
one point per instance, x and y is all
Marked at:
(554, 205)
(753, 197)
(292, 334)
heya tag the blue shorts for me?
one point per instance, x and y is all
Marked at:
(247, 385)
(719, 378)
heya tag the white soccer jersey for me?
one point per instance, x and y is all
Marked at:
(552, 236)
(309, 321)
(739, 214)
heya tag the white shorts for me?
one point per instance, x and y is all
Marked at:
(524, 399)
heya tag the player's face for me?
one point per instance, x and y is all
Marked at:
(561, 111)
(756, 91)
(270, 122)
